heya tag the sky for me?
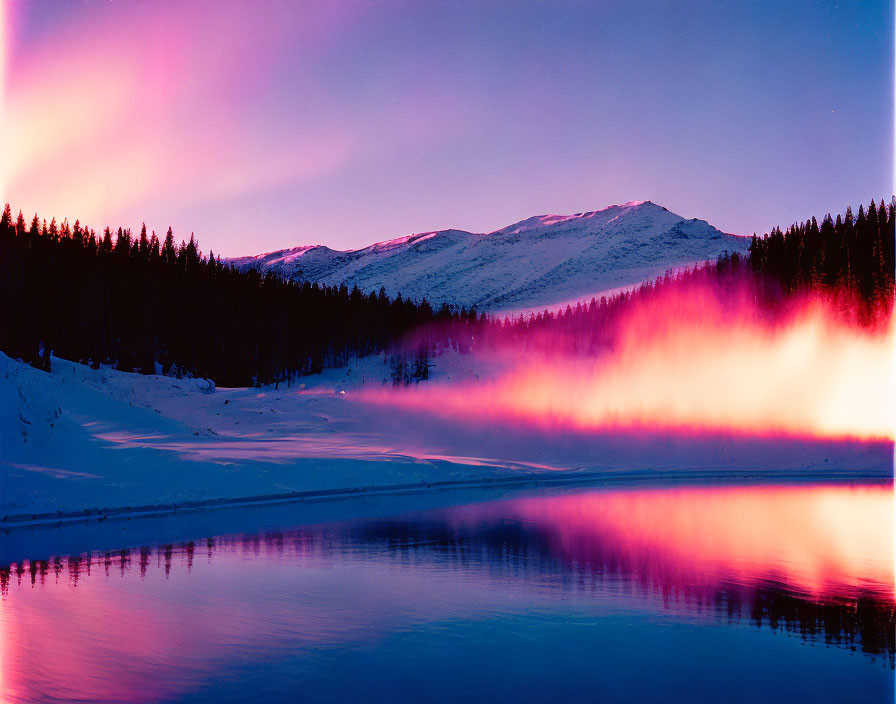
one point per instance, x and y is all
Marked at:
(265, 125)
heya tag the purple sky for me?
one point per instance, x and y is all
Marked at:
(263, 125)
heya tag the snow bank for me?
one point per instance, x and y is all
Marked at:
(87, 442)
(102, 441)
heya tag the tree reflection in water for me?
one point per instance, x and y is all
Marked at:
(690, 551)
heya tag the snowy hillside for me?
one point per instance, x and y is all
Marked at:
(542, 261)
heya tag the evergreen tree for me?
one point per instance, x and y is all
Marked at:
(139, 305)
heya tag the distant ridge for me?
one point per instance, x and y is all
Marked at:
(541, 261)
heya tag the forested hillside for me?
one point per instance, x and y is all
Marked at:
(146, 305)
(847, 261)
(141, 304)
(851, 255)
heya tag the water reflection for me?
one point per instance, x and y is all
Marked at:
(157, 622)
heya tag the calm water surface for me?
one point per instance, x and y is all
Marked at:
(735, 594)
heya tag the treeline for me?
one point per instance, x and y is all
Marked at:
(592, 327)
(849, 255)
(848, 260)
(145, 305)
(150, 306)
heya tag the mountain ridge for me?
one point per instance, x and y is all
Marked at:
(540, 260)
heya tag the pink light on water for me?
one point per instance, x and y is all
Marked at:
(821, 541)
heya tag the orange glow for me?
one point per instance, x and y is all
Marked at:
(686, 361)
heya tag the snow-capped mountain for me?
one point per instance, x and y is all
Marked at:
(542, 261)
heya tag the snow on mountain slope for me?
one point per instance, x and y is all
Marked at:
(544, 260)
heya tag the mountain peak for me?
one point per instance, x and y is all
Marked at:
(603, 215)
(544, 260)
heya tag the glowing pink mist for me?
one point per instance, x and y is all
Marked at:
(689, 358)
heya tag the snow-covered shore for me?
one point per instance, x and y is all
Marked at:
(80, 442)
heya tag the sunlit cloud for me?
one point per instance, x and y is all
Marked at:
(359, 122)
(193, 114)
(141, 111)
(5, 14)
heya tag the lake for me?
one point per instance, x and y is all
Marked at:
(678, 593)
